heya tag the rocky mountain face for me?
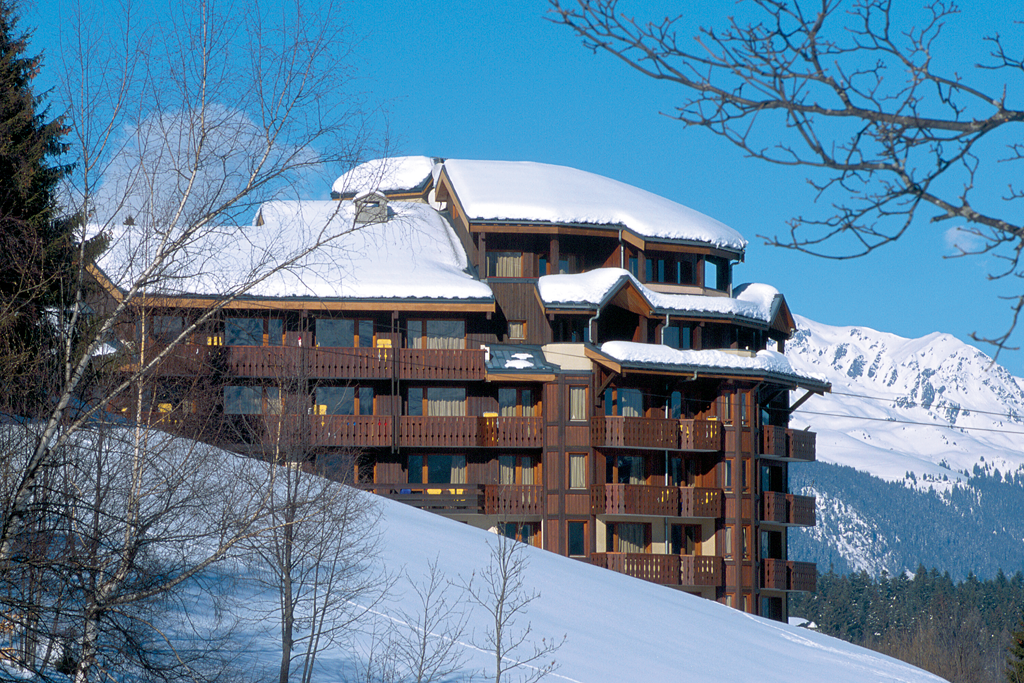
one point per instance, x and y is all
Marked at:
(920, 452)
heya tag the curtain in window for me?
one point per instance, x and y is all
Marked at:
(527, 470)
(504, 264)
(445, 334)
(631, 403)
(577, 403)
(506, 402)
(446, 402)
(458, 469)
(578, 470)
(632, 538)
(506, 469)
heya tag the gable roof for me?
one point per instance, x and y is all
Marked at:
(523, 191)
(397, 177)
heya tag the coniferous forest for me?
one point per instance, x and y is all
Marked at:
(967, 632)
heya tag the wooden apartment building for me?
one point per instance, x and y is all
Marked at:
(530, 348)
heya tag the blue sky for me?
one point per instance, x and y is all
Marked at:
(484, 80)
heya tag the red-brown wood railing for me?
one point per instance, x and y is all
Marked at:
(663, 569)
(633, 432)
(801, 510)
(787, 575)
(774, 507)
(700, 435)
(511, 432)
(700, 502)
(445, 364)
(633, 499)
(439, 432)
(773, 441)
(700, 570)
(801, 445)
(803, 576)
(350, 430)
(774, 574)
(354, 362)
(440, 498)
(513, 500)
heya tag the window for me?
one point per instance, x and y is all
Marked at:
(166, 328)
(634, 266)
(504, 264)
(727, 475)
(440, 402)
(517, 329)
(746, 543)
(570, 329)
(517, 469)
(576, 535)
(727, 535)
(437, 469)
(578, 471)
(243, 332)
(344, 400)
(625, 537)
(436, 334)
(577, 403)
(626, 469)
(685, 539)
(336, 332)
(676, 405)
(249, 400)
(624, 401)
(524, 532)
(678, 337)
(516, 402)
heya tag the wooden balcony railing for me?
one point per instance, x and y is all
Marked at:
(785, 575)
(801, 445)
(440, 498)
(631, 499)
(663, 569)
(513, 500)
(187, 360)
(774, 507)
(700, 435)
(703, 570)
(787, 444)
(439, 432)
(353, 362)
(444, 364)
(633, 432)
(801, 510)
(350, 430)
(700, 502)
(511, 432)
(803, 576)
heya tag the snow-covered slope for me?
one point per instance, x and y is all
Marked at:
(933, 406)
(622, 629)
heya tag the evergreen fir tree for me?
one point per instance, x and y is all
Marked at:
(36, 248)
(1015, 656)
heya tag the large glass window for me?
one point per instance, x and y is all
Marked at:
(167, 328)
(626, 537)
(504, 264)
(624, 401)
(515, 402)
(439, 469)
(344, 332)
(436, 334)
(446, 402)
(336, 400)
(243, 331)
(628, 469)
(243, 400)
(576, 533)
(520, 469)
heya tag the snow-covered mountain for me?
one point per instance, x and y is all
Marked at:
(940, 430)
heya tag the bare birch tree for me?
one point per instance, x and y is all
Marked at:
(858, 93)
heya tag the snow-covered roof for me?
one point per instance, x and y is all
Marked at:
(413, 255)
(765, 362)
(530, 191)
(511, 358)
(595, 288)
(386, 175)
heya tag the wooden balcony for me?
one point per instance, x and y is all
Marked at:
(774, 507)
(785, 575)
(453, 499)
(633, 432)
(700, 502)
(663, 569)
(350, 430)
(801, 510)
(700, 435)
(439, 432)
(353, 363)
(443, 364)
(792, 445)
(187, 360)
(511, 432)
(631, 499)
(703, 570)
(513, 500)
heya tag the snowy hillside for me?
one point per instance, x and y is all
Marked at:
(622, 629)
(933, 406)
(934, 434)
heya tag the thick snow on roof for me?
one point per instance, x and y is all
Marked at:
(415, 255)
(657, 354)
(755, 302)
(529, 191)
(387, 175)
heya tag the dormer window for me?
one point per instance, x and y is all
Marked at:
(371, 207)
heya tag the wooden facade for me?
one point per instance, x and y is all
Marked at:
(676, 476)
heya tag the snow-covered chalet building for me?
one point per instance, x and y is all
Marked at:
(533, 348)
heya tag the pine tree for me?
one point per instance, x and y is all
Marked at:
(36, 247)
(1015, 656)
